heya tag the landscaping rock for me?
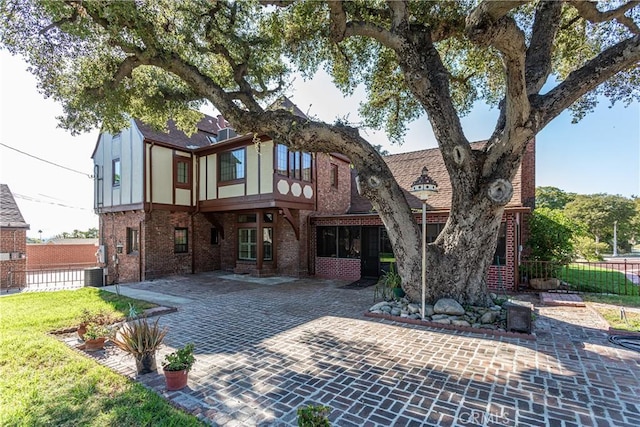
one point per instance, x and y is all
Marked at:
(395, 311)
(440, 316)
(428, 310)
(459, 322)
(413, 308)
(378, 306)
(442, 321)
(489, 317)
(448, 306)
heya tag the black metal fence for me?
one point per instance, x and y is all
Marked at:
(605, 277)
(50, 279)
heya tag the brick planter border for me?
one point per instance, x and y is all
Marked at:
(419, 322)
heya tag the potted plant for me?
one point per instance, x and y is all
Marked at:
(99, 318)
(177, 366)
(141, 339)
(95, 337)
(393, 281)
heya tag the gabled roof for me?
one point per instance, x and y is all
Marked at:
(284, 103)
(10, 215)
(207, 127)
(406, 167)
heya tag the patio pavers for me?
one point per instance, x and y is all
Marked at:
(265, 350)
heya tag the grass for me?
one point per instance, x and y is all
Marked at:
(612, 314)
(619, 300)
(630, 322)
(44, 382)
(596, 279)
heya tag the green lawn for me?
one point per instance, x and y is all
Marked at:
(44, 382)
(596, 279)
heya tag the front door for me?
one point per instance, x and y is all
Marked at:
(370, 262)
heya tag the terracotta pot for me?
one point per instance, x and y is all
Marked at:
(94, 344)
(146, 363)
(176, 380)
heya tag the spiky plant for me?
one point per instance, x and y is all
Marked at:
(140, 337)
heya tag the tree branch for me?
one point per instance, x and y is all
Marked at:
(589, 11)
(489, 25)
(539, 54)
(398, 13)
(619, 57)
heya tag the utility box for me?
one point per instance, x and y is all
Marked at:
(519, 316)
(94, 277)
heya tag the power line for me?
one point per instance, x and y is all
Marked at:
(33, 199)
(47, 161)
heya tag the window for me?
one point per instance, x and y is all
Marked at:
(500, 256)
(182, 172)
(349, 242)
(180, 241)
(333, 178)
(282, 154)
(232, 165)
(293, 164)
(214, 236)
(327, 241)
(247, 239)
(306, 167)
(115, 172)
(133, 242)
(247, 218)
(433, 230)
(267, 244)
(340, 242)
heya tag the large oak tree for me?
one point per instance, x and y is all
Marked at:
(156, 59)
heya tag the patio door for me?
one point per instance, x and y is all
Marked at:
(370, 262)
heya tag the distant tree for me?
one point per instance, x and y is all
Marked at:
(550, 238)
(552, 197)
(635, 221)
(92, 233)
(598, 212)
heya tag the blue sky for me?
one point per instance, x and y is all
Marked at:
(601, 154)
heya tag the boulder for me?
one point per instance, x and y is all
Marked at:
(448, 306)
(489, 317)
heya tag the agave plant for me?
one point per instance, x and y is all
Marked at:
(141, 339)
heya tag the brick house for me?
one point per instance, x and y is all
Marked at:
(172, 204)
(354, 244)
(13, 240)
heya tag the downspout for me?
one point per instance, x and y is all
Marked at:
(196, 174)
(151, 177)
(140, 249)
(516, 267)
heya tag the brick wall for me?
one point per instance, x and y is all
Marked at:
(113, 232)
(528, 177)
(332, 200)
(50, 256)
(13, 241)
(160, 259)
(206, 255)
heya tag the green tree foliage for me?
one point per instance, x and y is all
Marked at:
(157, 59)
(598, 212)
(550, 237)
(552, 197)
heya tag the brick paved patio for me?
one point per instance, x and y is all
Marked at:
(264, 350)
